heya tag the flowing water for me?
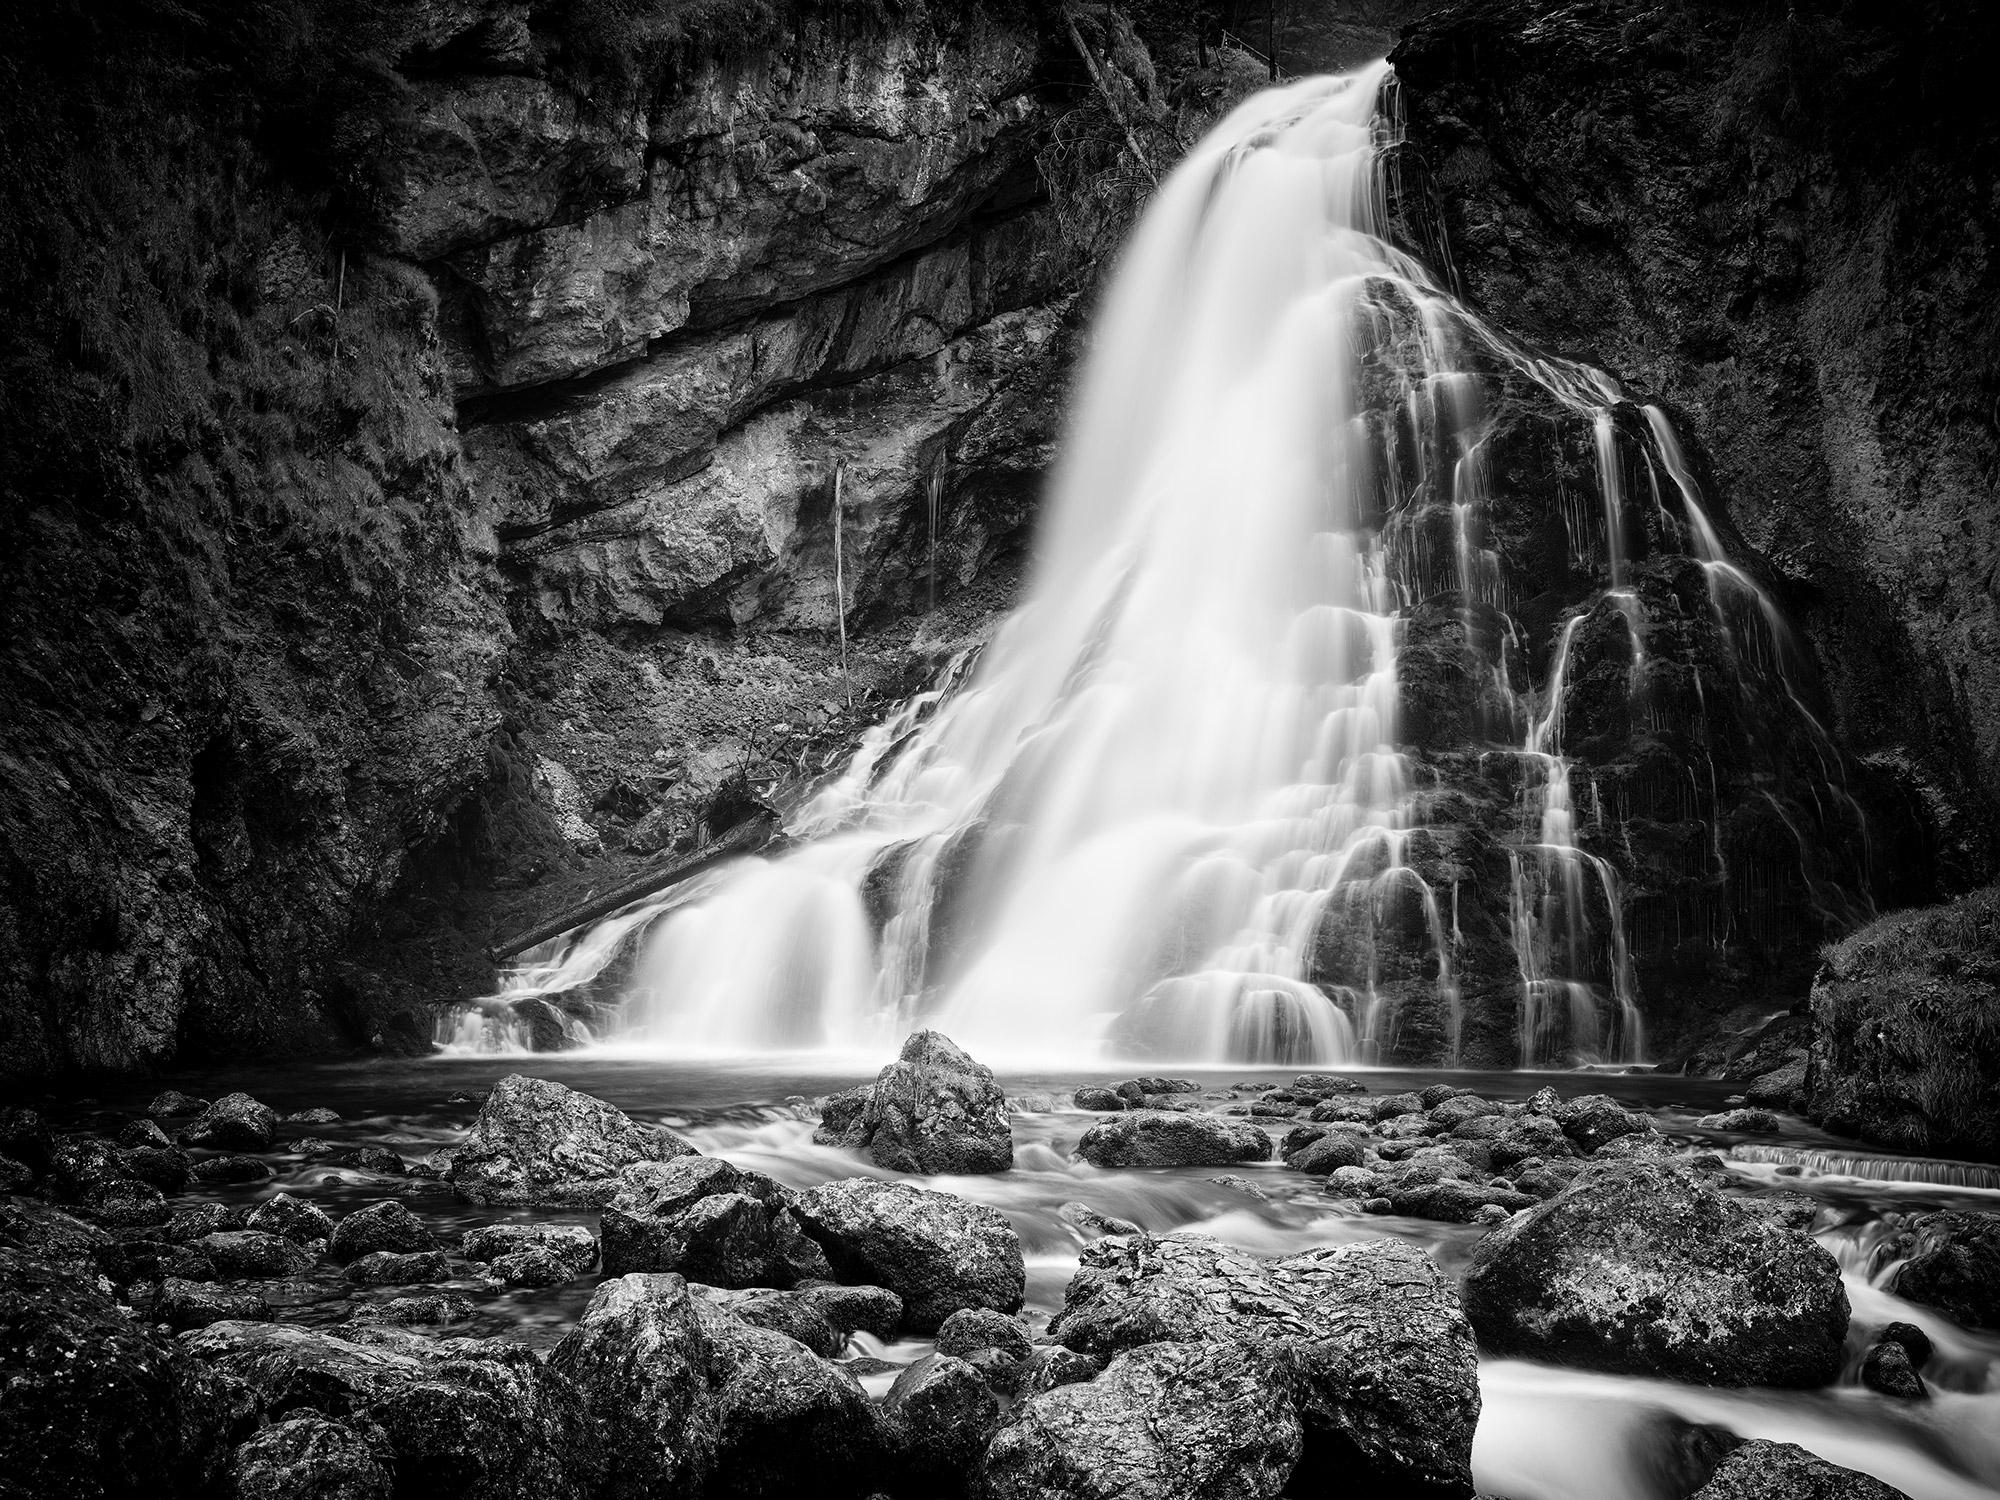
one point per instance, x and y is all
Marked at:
(1544, 1433)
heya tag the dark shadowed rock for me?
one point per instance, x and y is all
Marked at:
(642, 1362)
(788, 1313)
(48, 1234)
(235, 1122)
(789, 1422)
(1784, 1471)
(294, 1218)
(1952, 1262)
(1171, 1138)
(172, 1104)
(709, 1221)
(856, 1309)
(1386, 1369)
(391, 1268)
(1335, 1149)
(938, 1418)
(197, 1219)
(933, 1111)
(1887, 1368)
(25, 1136)
(1050, 1365)
(251, 1253)
(571, 1244)
(231, 1171)
(183, 1305)
(420, 1308)
(1646, 1269)
(387, 1225)
(307, 1458)
(938, 1253)
(537, 1142)
(1171, 1421)
(163, 1167)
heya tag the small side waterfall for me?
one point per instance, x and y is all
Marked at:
(1169, 812)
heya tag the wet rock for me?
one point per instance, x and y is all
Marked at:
(384, 1225)
(197, 1219)
(312, 1117)
(1916, 1343)
(377, 1159)
(1887, 1368)
(235, 1122)
(1528, 1136)
(172, 1104)
(939, 1417)
(1643, 1268)
(1458, 1109)
(788, 1421)
(1101, 1100)
(1597, 1118)
(91, 1401)
(980, 1328)
(788, 1313)
(1432, 1097)
(1745, 1121)
(1544, 1179)
(711, 1222)
(393, 1268)
(1088, 1220)
(231, 1171)
(79, 1163)
(294, 1218)
(144, 1133)
(1457, 1202)
(1784, 1471)
(26, 1138)
(1050, 1365)
(536, 1266)
(1321, 1085)
(1951, 1261)
(421, 1308)
(938, 1253)
(183, 1305)
(14, 1176)
(249, 1253)
(1171, 1421)
(572, 1244)
(1390, 1106)
(1781, 1088)
(161, 1167)
(641, 1360)
(1383, 1359)
(306, 1458)
(932, 1111)
(1330, 1152)
(1354, 1111)
(537, 1142)
(1167, 1138)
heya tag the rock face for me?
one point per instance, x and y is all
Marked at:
(1170, 1421)
(1906, 1031)
(934, 1110)
(1385, 1372)
(536, 1141)
(1784, 1471)
(1643, 1268)
(938, 1253)
(1170, 1138)
(1952, 1262)
(710, 1222)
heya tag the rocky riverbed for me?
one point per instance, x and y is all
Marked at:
(454, 1279)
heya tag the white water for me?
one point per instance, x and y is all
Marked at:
(1177, 762)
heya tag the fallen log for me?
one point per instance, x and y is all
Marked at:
(750, 836)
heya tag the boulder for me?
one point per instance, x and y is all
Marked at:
(1951, 1261)
(390, 1268)
(182, 1304)
(91, 1400)
(418, 1308)
(711, 1222)
(856, 1309)
(1595, 1119)
(932, 1111)
(1170, 1421)
(172, 1104)
(253, 1254)
(306, 1458)
(231, 1171)
(937, 1252)
(1336, 1149)
(536, 1266)
(938, 1418)
(312, 1117)
(570, 1244)
(641, 1360)
(235, 1122)
(788, 1313)
(1172, 1138)
(197, 1219)
(1644, 1268)
(979, 1328)
(537, 1142)
(1098, 1100)
(162, 1167)
(788, 1421)
(1456, 1201)
(1742, 1121)
(1762, 1470)
(383, 1225)
(294, 1218)
(1386, 1369)
(1050, 1365)
(1888, 1369)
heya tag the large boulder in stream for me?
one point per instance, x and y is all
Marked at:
(788, 1422)
(710, 1222)
(235, 1122)
(1384, 1370)
(1761, 1470)
(537, 1142)
(1643, 1268)
(1170, 1421)
(1951, 1261)
(1172, 1138)
(937, 1252)
(932, 1111)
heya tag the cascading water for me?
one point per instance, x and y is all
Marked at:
(1176, 768)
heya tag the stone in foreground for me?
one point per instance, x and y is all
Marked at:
(932, 1111)
(537, 1142)
(1172, 1138)
(1384, 1368)
(1170, 1421)
(307, 1458)
(1784, 1471)
(1642, 1268)
(937, 1252)
(711, 1222)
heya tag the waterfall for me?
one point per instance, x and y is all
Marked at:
(1172, 783)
